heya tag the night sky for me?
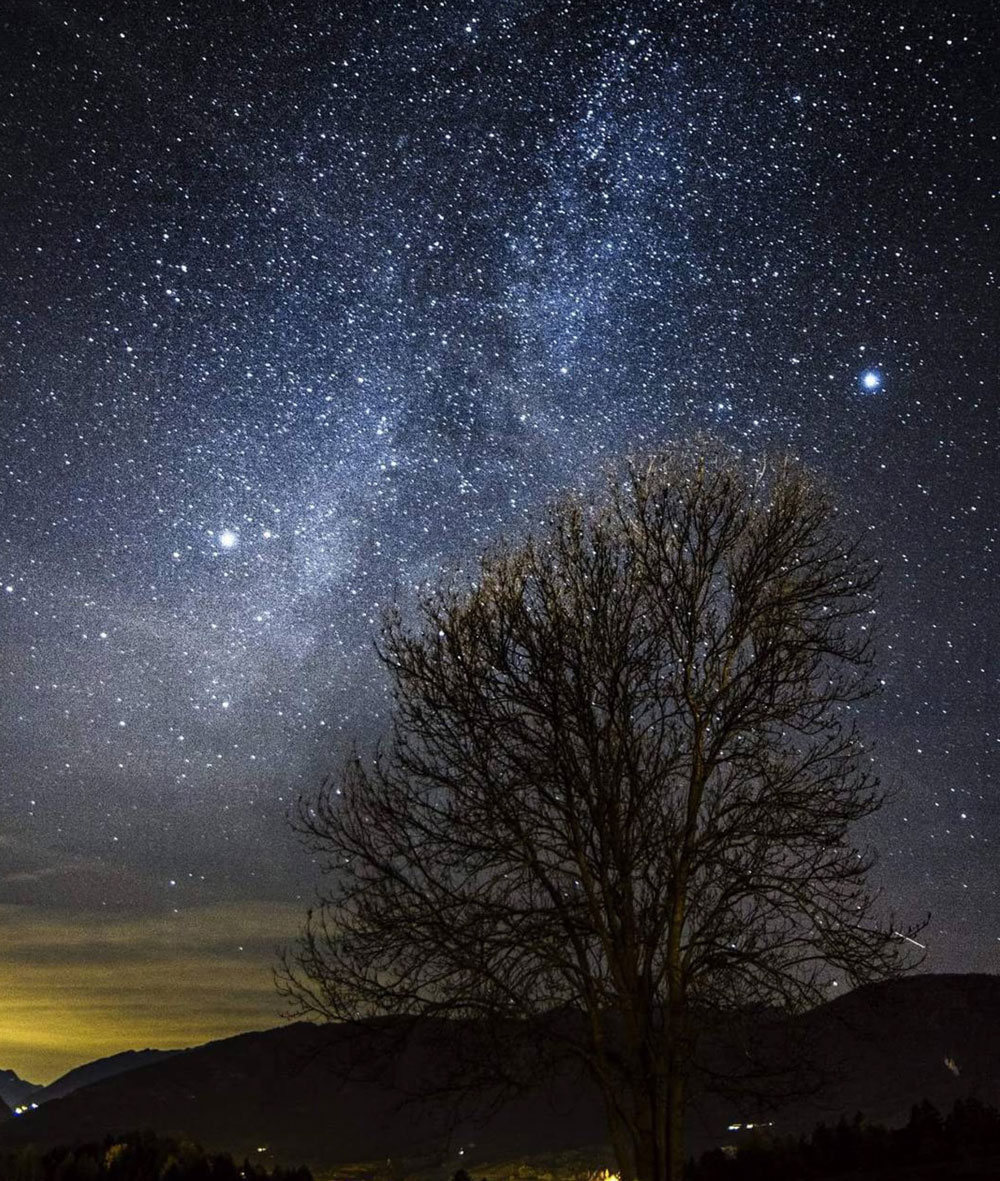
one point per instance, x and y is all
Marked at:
(302, 304)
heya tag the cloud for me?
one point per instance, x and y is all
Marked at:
(78, 986)
(31, 874)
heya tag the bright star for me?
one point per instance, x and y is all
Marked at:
(871, 380)
(228, 539)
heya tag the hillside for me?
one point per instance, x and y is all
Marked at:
(94, 1072)
(294, 1090)
(14, 1090)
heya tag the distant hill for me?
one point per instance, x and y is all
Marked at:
(14, 1091)
(94, 1072)
(291, 1090)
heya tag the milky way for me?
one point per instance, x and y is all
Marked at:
(302, 305)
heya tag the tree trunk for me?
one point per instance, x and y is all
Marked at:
(640, 1140)
(675, 1127)
(649, 1156)
(623, 1141)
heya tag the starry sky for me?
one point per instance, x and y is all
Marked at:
(303, 303)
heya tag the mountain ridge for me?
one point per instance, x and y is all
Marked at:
(294, 1088)
(15, 1091)
(88, 1073)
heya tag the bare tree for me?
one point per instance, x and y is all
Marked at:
(621, 779)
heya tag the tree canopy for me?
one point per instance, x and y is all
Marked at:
(622, 777)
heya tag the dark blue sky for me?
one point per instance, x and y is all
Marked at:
(302, 304)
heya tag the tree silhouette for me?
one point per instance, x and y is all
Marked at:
(620, 782)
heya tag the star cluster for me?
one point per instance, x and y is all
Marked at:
(304, 303)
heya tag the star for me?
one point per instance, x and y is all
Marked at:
(336, 323)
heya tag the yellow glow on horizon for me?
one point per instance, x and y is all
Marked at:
(76, 987)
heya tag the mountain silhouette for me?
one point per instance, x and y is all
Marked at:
(16, 1091)
(296, 1090)
(94, 1072)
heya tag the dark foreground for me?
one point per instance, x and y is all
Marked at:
(138, 1157)
(315, 1095)
(963, 1144)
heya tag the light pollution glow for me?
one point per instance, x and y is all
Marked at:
(79, 987)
